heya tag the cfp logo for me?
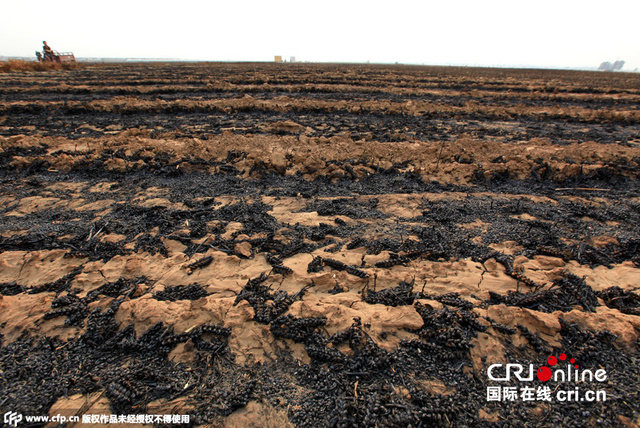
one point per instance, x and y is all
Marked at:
(12, 418)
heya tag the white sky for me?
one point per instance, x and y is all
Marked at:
(544, 33)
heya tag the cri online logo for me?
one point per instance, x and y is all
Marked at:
(544, 373)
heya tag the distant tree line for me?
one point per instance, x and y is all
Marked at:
(608, 66)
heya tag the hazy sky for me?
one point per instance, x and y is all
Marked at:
(542, 33)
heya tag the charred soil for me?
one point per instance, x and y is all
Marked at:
(317, 245)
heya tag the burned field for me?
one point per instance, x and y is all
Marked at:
(318, 245)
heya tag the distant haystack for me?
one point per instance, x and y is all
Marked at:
(607, 66)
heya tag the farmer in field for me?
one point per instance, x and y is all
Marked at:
(47, 51)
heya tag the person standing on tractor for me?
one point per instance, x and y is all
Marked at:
(47, 51)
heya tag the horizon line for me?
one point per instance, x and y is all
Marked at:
(452, 64)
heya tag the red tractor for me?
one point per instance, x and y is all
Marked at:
(49, 55)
